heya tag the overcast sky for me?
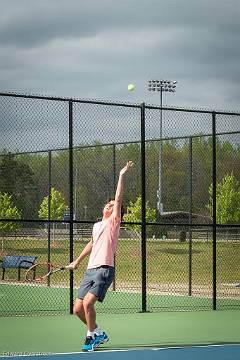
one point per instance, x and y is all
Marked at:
(95, 48)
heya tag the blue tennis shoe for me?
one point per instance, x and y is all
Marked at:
(90, 344)
(101, 339)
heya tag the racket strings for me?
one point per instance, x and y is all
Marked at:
(40, 272)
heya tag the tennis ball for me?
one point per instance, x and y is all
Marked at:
(131, 87)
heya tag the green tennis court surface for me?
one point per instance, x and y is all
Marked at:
(145, 331)
(22, 299)
(165, 335)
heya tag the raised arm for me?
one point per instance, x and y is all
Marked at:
(120, 188)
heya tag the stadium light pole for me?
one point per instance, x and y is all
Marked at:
(161, 86)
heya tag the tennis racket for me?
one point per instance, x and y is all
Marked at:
(42, 271)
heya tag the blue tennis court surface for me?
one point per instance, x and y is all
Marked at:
(219, 352)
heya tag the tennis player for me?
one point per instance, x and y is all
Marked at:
(100, 270)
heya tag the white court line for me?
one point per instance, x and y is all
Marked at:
(115, 350)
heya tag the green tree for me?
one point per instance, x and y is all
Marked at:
(8, 211)
(58, 206)
(227, 200)
(134, 214)
(17, 179)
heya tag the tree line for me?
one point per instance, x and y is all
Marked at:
(25, 177)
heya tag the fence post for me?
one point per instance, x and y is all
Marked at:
(143, 227)
(190, 219)
(114, 187)
(49, 208)
(214, 214)
(70, 148)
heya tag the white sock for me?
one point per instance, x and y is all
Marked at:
(98, 331)
(90, 333)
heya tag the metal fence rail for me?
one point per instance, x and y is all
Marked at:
(180, 257)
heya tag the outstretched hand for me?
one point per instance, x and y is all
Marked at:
(126, 168)
(72, 266)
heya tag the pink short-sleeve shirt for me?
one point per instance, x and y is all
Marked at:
(105, 237)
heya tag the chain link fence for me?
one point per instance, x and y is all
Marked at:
(59, 163)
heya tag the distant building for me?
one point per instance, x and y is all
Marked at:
(183, 217)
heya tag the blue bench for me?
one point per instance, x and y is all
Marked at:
(17, 262)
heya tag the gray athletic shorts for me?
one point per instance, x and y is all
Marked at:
(96, 281)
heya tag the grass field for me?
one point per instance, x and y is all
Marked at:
(167, 261)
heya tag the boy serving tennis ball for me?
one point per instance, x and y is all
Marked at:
(100, 270)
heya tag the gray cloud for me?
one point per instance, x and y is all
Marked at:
(93, 49)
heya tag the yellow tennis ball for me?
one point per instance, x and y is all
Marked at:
(131, 87)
